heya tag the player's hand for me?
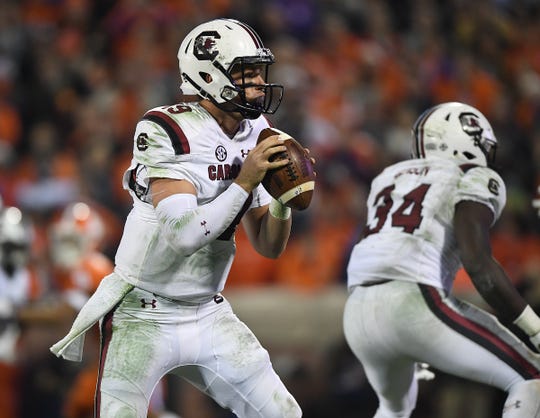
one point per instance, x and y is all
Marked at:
(257, 162)
(312, 159)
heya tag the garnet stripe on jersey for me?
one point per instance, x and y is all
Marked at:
(477, 333)
(176, 135)
(270, 124)
(106, 332)
(228, 233)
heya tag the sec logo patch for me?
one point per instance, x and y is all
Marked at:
(221, 153)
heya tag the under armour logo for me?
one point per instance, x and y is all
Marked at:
(244, 153)
(516, 405)
(206, 230)
(144, 303)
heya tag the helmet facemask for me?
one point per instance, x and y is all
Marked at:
(236, 97)
(488, 148)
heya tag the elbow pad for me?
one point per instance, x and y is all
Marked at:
(188, 227)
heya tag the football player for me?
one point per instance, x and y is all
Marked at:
(427, 216)
(19, 285)
(195, 174)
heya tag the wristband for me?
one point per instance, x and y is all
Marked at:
(528, 322)
(279, 211)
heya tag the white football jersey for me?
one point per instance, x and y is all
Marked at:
(182, 141)
(14, 293)
(409, 232)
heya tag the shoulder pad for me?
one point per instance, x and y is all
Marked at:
(161, 116)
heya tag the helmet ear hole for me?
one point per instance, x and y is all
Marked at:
(206, 77)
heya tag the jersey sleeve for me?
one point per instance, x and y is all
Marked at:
(260, 197)
(483, 185)
(163, 150)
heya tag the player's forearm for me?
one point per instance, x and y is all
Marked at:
(189, 228)
(495, 287)
(275, 230)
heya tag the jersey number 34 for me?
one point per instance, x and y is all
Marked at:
(407, 216)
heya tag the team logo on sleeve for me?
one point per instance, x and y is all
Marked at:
(494, 186)
(142, 142)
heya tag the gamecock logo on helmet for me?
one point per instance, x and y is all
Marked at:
(471, 124)
(204, 47)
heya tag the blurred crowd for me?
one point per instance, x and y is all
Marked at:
(76, 76)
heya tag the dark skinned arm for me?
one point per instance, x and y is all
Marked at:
(472, 222)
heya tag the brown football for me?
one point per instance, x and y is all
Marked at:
(293, 184)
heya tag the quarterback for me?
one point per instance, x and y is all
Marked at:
(428, 216)
(195, 174)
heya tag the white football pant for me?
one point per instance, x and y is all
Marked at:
(148, 336)
(391, 326)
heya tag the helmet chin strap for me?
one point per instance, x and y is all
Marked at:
(235, 107)
(242, 107)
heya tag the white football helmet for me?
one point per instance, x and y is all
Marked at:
(207, 56)
(455, 131)
(16, 235)
(79, 230)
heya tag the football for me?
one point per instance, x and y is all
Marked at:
(292, 185)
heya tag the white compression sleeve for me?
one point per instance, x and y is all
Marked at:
(188, 227)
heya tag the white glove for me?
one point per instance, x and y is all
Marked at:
(422, 372)
(529, 323)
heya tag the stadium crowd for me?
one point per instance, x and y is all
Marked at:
(76, 75)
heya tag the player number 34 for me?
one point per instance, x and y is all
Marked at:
(407, 216)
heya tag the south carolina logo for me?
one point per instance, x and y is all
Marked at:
(142, 142)
(470, 124)
(221, 153)
(494, 186)
(204, 47)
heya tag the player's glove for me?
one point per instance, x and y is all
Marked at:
(529, 323)
(422, 372)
